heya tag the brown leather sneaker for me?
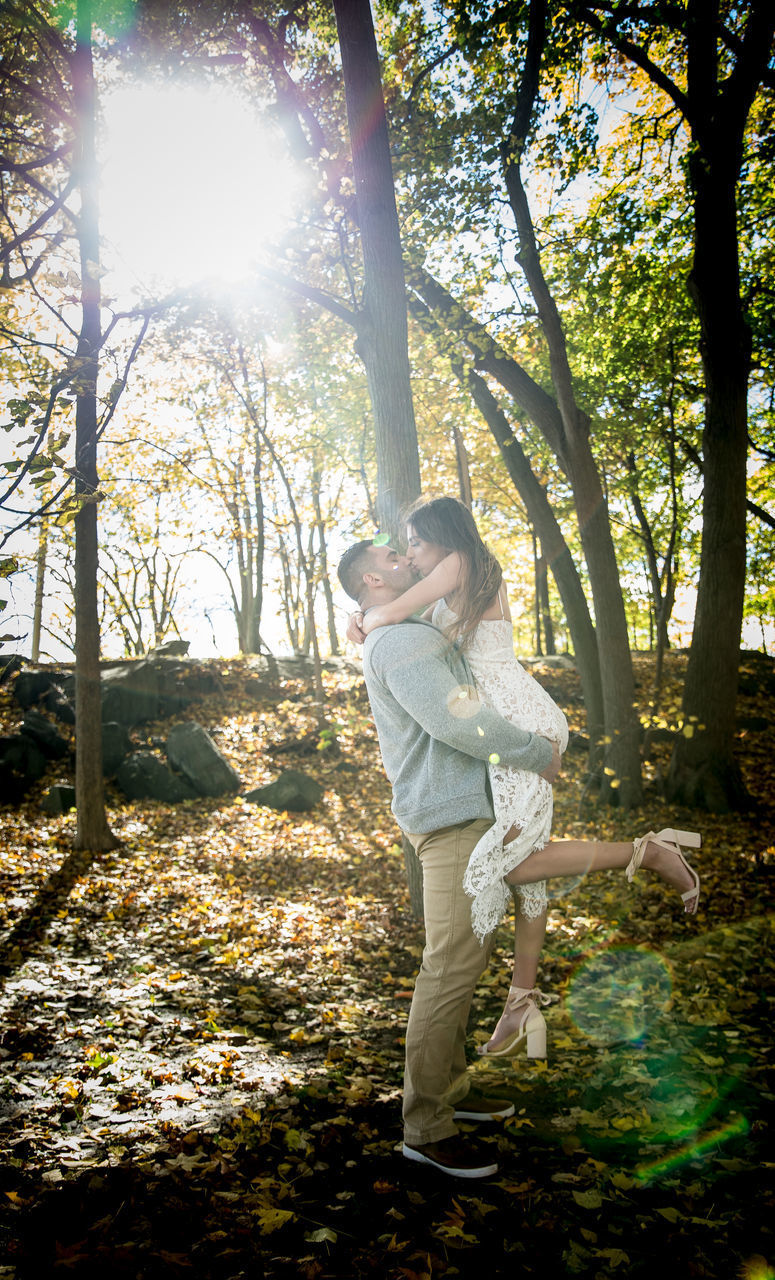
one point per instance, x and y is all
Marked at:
(453, 1156)
(478, 1106)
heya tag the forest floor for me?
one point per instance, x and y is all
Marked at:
(201, 1036)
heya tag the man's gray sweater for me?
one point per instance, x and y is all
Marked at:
(434, 734)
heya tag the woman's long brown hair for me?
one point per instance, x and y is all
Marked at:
(448, 523)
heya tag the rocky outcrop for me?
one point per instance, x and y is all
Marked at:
(144, 776)
(31, 686)
(25, 756)
(21, 764)
(194, 769)
(135, 692)
(192, 752)
(45, 735)
(292, 790)
(139, 691)
(59, 799)
(116, 746)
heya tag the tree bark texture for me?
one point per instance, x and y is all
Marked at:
(40, 578)
(447, 316)
(703, 771)
(537, 599)
(621, 780)
(556, 553)
(323, 574)
(544, 608)
(256, 560)
(720, 88)
(92, 827)
(382, 335)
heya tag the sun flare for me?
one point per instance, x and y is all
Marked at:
(194, 185)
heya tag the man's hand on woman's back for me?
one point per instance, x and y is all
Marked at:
(551, 771)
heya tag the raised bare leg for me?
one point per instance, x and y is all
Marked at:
(574, 857)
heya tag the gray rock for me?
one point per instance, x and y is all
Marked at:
(143, 776)
(560, 661)
(23, 757)
(131, 694)
(45, 735)
(292, 791)
(59, 798)
(29, 686)
(191, 750)
(170, 649)
(116, 746)
(59, 705)
(12, 787)
(134, 692)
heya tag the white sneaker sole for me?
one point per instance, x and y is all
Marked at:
(484, 1115)
(481, 1171)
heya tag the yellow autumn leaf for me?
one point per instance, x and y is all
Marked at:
(271, 1219)
(588, 1199)
(670, 1213)
(616, 1257)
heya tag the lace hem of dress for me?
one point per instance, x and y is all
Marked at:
(532, 899)
(484, 881)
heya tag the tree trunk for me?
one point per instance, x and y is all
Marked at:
(92, 827)
(442, 311)
(662, 583)
(703, 771)
(537, 596)
(320, 528)
(40, 576)
(382, 325)
(545, 607)
(382, 331)
(556, 553)
(621, 780)
(463, 472)
(253, 621)
(714, 90)
(259, 546)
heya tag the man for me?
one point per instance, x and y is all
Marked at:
(436, 738)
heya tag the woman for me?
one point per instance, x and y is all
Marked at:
(464, 595)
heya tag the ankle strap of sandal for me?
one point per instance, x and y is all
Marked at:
(518, 994)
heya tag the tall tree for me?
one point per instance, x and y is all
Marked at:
(382, 323)
(571, 444)
(92, 831)
(710, 60)
(49, 127)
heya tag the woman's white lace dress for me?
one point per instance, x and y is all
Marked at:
(520, 798)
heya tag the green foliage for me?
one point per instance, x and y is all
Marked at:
(112, 18)
(607, 183)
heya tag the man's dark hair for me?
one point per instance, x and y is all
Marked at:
(352, 566)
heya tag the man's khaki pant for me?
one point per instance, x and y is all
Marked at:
(453, 961)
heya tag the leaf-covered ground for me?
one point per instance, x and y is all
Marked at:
(202, 1035)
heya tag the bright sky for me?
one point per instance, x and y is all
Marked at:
(193, 184)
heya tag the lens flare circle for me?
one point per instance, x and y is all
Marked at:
(617, 994)
(667, 1165)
